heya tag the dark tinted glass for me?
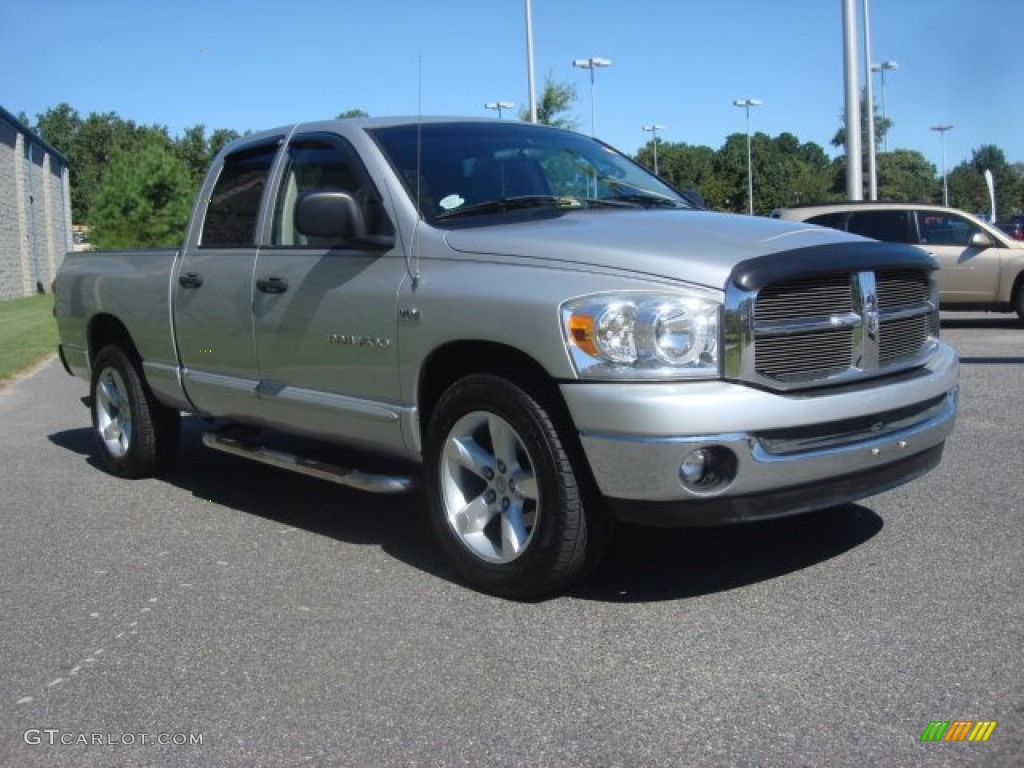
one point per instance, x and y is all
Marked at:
(235, 205)
(888, 226)
(938, 228)
(834, 220)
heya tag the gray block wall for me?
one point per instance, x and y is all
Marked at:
(35, 210)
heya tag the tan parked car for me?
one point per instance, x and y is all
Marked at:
(980, 267)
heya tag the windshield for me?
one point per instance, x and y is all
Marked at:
(478, 168)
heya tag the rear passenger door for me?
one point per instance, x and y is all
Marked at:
(967, 273)
(214, 285)
(325, 312)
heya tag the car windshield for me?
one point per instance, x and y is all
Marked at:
(485, 168)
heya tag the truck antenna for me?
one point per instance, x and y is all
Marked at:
(414, 267)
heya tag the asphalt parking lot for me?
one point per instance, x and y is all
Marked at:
(283, 621)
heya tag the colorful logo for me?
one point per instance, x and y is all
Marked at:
(959, 730)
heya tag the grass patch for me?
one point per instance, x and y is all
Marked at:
(28, 333)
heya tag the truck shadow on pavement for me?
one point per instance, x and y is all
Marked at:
(643, 564)
(651, 564)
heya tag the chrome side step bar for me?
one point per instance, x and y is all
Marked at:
(353, 478)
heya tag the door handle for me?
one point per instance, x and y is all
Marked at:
(272, 285)
(190, 280)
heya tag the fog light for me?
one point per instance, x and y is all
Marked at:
(694, 467)
(710, 469)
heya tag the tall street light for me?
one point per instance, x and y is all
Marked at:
(851, 92)
(499, 105)
(942, 138)
(531, 83)
(747, 104)
(882, 68)
(869, 107)
(592, 63)
(653, 129)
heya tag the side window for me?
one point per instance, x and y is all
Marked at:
(887, 226)
(938, 228)
(322, 164)
(234, 207)
(834, 220)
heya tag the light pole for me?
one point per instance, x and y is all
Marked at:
(499, 105)
(881, 68)
(942, 139)
(531, 84)
(851, 89)
(869, 107)
(747, 104)
(592, 63)
(653, 129)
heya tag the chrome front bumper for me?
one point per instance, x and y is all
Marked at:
(793, 453)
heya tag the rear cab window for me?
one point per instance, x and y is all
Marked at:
(232, 214)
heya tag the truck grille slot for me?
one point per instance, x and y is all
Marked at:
(803, 298)
(805, 354)
(902, 338)
(902, 289)
(835, 327)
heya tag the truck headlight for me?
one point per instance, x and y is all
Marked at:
(642, 335)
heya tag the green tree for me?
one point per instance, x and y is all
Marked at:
(556, 99)
(218, 140)
(969, 191)
(682, 165)
(144, 198)
(192, 148)
(352, 113)
(98, 141)
(58, 126)
(882, 126)
(905, 174)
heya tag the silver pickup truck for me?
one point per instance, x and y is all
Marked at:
(550, 336)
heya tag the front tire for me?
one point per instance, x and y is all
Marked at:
(135, 435)
(505, 500)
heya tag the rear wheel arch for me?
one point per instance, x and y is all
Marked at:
(107, 330)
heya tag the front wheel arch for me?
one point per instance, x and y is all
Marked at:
(481, 422)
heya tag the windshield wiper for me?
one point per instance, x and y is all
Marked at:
(501, 205)
(648, 200)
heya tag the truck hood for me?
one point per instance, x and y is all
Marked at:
(697, 247)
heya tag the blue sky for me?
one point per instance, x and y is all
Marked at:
(680, 63)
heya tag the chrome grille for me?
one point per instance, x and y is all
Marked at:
(904, 288)
(901, 338)
(803, 354)
(831, 328)
(805, 298)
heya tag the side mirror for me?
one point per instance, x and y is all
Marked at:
(980, 240)
(329, 214)
(337, 215)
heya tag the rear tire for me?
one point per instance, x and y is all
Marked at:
(135, 435)
(506, 503)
